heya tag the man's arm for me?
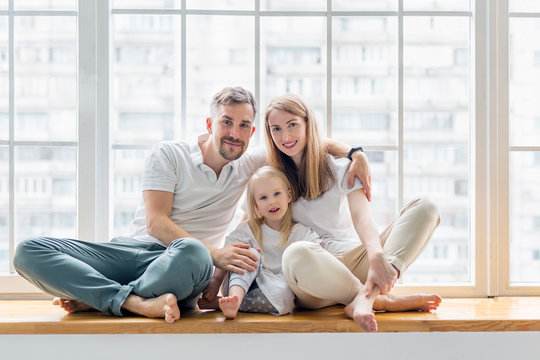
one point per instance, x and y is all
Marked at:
(234, 257)
(359, 166)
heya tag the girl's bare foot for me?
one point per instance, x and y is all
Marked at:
(72, 306)
(229, 305)
(164, 306)
(418, 302)
(360, 311)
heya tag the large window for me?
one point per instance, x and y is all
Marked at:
(410, 80)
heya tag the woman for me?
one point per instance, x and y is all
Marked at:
(354, 264)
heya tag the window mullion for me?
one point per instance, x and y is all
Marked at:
(484, 274)
(500, 151)
(86, 161)
(400, 106)
(11, 28)
(103, 61)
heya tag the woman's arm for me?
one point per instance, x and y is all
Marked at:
(359, 166)
(381, 273)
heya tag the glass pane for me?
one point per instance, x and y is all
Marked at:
(3, 4)
(45, 5)
(524, 82)
(4, 209)
(384, 167)
(128, 167)
(287, 5)
(524, 217)
(145, 4)
(364, 5)
(434, 5)
(221, 4)
(524, 5)
(436, 63)
(4, 79)
(46, 78)
(436, 140)
(364, 71)
(45, 192)
(146, 78)
(441, 173)
(294, 61)
(220, 53)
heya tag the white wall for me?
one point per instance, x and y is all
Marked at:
(395, 346)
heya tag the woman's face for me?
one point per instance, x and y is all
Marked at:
(289, 133)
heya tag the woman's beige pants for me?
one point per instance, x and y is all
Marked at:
(321, 279)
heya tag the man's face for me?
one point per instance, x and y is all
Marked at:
(232, 129)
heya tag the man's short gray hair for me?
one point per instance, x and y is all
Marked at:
(232, 95)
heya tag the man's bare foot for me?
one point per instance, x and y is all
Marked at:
(360, 311)
(164, 306)
(418, 302)
(229, 305)
(72, 306)
(204, 304)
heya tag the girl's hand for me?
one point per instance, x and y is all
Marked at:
(381, 274)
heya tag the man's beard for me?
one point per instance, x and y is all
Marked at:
(230, 155)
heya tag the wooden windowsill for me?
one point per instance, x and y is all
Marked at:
(499, 314)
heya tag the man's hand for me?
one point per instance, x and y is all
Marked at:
(382, 274)
(360, 168)
(235, 257)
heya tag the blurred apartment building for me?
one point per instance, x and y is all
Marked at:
(146, 103)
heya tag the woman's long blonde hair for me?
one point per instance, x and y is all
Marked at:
(314, 176)
(254, 219)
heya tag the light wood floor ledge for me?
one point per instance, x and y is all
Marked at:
(499, 314)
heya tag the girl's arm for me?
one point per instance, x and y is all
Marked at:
(381, 273)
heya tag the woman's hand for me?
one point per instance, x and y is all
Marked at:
(381, 274)
(360, 168)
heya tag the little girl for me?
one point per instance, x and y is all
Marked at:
(269, 228)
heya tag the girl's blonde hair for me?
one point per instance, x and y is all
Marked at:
(254, 220)
(314, 176)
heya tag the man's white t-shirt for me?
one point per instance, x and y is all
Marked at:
(203, 204)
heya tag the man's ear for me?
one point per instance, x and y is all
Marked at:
(252, 131)
(209, 125)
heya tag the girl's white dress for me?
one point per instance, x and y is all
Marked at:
(270, 277)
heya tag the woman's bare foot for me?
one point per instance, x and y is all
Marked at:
(360, 311)
(229, 305)
(164, 306)
(418, 302)
(72, 306)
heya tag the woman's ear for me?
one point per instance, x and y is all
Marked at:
(289, 193)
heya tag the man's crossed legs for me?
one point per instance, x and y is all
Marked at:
(141, 277)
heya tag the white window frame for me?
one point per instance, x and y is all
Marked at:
(489, 130)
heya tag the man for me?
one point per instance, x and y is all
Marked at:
(190, 194)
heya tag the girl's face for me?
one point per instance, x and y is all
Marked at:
(289, 133)
(272, 199)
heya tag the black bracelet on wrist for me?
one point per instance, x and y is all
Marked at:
(353, 149)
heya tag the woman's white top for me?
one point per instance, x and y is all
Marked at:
(329, 214)
(270, 278)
